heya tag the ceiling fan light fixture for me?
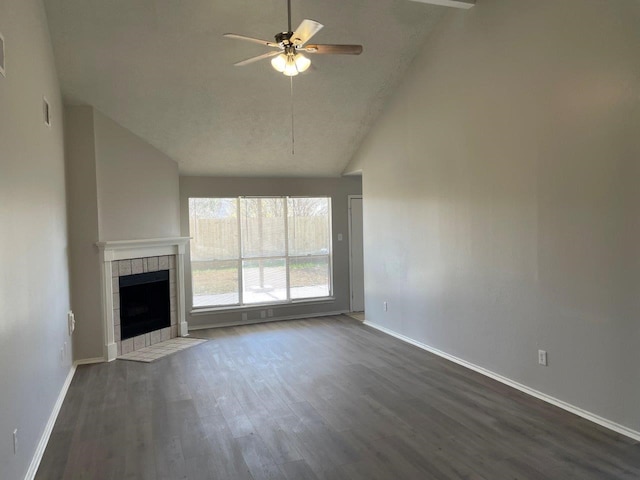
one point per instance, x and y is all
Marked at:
(279, 63)
(290, 69)
(291, 63)
(302, 62)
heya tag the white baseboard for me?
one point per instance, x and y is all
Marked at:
(616, 427)
(266, 320)
(110, 352)
(88, 361)
(44, 439)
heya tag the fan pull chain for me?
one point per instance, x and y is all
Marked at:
(293, 140)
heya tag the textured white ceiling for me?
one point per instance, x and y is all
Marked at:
(162, 69)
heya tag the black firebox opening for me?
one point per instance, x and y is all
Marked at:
(144, 303)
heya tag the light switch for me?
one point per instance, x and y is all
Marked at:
(339, 237)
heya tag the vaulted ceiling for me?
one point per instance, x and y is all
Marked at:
(162, 69)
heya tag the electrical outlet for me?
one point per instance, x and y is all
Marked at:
(385, 306)
(270, 312)
(263, 314)
(245, 317)
(15, 441)
(542, 357)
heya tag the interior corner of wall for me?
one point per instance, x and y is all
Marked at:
(352, 173)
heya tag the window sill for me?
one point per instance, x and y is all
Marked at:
(260, 306)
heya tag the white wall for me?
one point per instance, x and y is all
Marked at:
(34, 293)
(502, 198)
(337, 188)
(120, 188)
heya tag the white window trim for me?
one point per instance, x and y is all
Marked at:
(261, 306)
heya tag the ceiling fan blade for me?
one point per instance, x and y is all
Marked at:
(251, 39)
(255, 59)
(306, 30)
(334, 49)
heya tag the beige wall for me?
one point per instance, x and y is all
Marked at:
(137, 185)
(120, 188)
(502, 196)
(83, 230)
(34, 293)
(337, 188)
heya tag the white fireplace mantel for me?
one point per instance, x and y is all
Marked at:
(112, 251)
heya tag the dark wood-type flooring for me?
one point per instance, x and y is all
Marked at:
(317, 399)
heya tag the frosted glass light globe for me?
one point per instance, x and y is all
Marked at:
(279, 62)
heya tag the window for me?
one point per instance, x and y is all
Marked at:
(258, 250)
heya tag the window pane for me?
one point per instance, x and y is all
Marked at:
(215, 283)
(213, 226)
(264, 280)
(308, 220)
(309, 277)
(223, 247)
(262, 227)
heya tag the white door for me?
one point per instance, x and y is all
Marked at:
(356, 259)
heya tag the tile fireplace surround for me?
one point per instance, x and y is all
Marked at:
(127, 257)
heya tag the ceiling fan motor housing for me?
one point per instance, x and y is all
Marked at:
(284, 38)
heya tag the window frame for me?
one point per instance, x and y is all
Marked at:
(241, 305)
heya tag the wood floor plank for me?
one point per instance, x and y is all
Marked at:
(298, 470)
(56, 459)
(281, 443)
(319, 399)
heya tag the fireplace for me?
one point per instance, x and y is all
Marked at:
(144, 303)
(131, 260)
(143, 323)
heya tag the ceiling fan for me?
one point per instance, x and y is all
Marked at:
(288, 58)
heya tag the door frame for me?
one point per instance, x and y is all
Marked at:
(349, 198)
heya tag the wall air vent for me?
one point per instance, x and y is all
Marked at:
(2, 70)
